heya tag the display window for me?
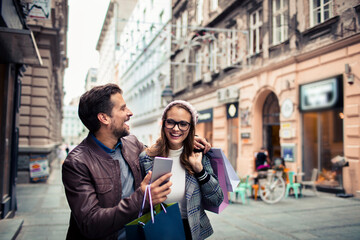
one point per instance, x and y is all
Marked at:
(324, 141)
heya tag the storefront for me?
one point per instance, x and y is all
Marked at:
(322, 111)
(205, 124)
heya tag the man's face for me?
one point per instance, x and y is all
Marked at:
(119, 115)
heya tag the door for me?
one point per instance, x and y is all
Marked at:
(271, 126)
(7, 83)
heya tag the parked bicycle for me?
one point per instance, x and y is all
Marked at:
(271, 186)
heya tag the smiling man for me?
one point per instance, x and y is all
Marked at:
(102, 178)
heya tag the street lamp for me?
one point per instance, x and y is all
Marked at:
(167, 94)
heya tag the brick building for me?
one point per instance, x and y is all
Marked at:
(42, 87)
(279, 74)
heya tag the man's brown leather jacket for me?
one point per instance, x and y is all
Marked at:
(93, 189)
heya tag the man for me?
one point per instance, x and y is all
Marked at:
(102, 176)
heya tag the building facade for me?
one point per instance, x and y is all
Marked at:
(42, 88)
(18, 48)
(109, 40)
(91, 79)
(144, 65)
(73, 131)
(134, 49)
(274, 74)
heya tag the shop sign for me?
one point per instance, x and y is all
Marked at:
(287, 131)
(245, 135)
(287, 108)
(232, 110)
(39, 168)
(40, 9)
(320, 95)
(288, 151)
(205, 115)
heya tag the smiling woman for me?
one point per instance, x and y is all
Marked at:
(192, 176)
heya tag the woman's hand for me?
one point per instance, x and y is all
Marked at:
(195, 161)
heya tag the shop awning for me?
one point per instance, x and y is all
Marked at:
(18, 46)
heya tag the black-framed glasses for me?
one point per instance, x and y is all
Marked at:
(182, 125)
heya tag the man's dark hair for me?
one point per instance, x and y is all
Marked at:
(95, 101)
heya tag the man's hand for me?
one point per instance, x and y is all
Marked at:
(201, 143)
(158, 193)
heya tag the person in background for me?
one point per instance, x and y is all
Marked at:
(102, 177)
(262, 160)
(193, 179)
(67, 150)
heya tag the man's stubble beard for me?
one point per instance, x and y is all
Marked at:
(120, 133)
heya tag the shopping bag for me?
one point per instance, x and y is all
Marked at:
(218, 168)
(162, 222)
(232, 179)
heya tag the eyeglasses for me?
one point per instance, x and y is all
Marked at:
(182, 125)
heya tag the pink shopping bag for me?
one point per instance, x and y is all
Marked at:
(219, 170)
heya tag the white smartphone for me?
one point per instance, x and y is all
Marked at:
(161, 166)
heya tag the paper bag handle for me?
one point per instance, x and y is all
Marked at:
(148, 190)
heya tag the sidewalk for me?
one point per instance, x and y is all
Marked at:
(45, 212)
(309, 217)
(44, 208)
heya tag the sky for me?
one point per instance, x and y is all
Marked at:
(86, 18)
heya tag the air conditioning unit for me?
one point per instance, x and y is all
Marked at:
(207, 77)
(220, 93)
(232, 93)
(227, 95)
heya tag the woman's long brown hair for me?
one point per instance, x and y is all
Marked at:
(161, 147)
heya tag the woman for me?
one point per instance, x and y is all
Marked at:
(192, 176)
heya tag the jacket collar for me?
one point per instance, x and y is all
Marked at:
(105, 148)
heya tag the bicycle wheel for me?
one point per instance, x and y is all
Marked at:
(272, 190)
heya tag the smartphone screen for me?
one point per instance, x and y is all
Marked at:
(161, 166)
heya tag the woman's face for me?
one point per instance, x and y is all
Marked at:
(177, 126)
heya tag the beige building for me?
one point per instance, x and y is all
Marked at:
(274, 74)
(42, 88)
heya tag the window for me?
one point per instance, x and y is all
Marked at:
(180, 76)
(197, 65)
(178, 28)
(214, 5)
(212, 56)
(199, 11)
(152, 28)
(320, 11)
(280, 20)
(183, 74)
(184, 24)
(161, 16)
(232, 46)
(144, 41)
(255, 32)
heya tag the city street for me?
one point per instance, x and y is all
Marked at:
(44, 209)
